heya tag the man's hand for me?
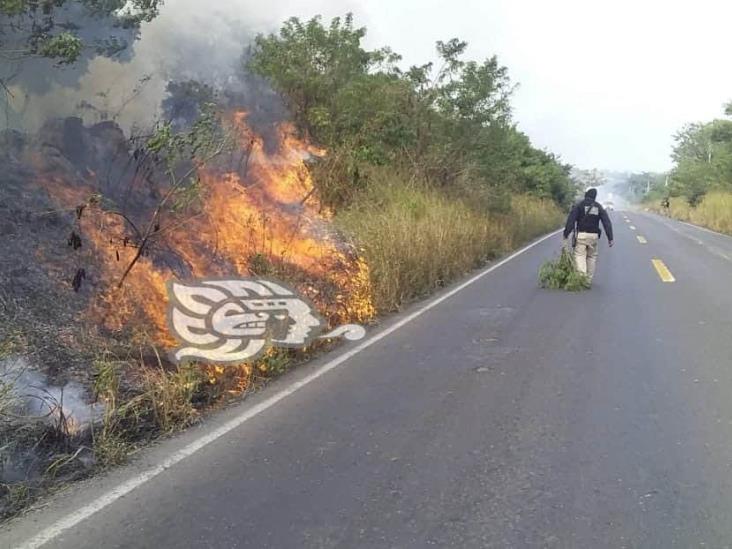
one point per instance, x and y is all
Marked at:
(611, 242)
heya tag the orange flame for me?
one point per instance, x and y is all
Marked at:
(258, 218)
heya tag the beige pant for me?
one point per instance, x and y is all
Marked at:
(585, 253)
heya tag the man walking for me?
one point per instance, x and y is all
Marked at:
(584, 220)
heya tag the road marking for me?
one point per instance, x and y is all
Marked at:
(710, 231)
(627, 220)
(129, 485)
(632, 227)
(642, 239)
(663, 271)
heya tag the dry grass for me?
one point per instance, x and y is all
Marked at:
(714, 211)
(415, 239)
(532, 217)
(168, 397)
(680, 209)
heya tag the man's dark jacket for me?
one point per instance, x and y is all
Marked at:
(587, 215)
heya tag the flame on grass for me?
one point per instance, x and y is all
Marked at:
(256, 215)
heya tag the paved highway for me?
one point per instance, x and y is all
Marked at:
(505, 416)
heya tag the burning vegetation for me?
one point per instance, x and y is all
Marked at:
(97, 223)
(423, 168)
(218, 200)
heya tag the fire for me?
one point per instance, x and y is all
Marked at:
(258, 215)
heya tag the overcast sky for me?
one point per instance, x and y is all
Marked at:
(603, 84)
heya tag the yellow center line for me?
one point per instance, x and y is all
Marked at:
(663, 271)
(642, 239)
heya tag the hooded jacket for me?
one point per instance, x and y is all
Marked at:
(586, 216)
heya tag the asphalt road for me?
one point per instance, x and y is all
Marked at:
(505, 416)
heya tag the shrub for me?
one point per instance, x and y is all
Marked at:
(561, 274)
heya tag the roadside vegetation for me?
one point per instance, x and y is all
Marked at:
(138, 401)
(699, 186)
(713, 210)
(416, 239)
(424, 171)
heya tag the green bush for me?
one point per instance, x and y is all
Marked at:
(561, 274)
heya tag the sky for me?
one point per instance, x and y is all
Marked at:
(603, 84)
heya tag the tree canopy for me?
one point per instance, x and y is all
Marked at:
(450, 121)
(702, 158)
(51, 29)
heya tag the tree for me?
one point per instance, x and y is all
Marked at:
(589, 178)
(448, 123)
(312, 67)
(641, 186)
(49, 28)
(702, 159)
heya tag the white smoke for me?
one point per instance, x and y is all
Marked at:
(33, 397)
(190, 39)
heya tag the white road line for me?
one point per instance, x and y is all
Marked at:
(632, 227)
(712, 249)
(128, 486)
(703, 229)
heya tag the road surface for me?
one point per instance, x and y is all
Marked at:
(505, 416)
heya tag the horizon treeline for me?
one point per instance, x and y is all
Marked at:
(702, 164)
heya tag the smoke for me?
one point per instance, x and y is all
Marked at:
(33, 397)
(189, 40)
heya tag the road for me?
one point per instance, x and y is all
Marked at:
(505, 416)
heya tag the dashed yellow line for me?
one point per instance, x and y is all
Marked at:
(663, 271)
(642, 239)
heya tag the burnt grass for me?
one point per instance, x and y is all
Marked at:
(46, 285)
(39, 319)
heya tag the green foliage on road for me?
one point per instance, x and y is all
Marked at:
(448, 123)
(561, 274)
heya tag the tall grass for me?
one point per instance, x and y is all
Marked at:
(679, 208)
(714, 211)
(415, 239)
